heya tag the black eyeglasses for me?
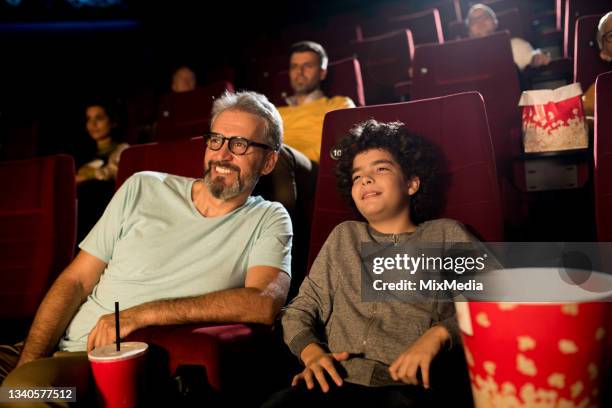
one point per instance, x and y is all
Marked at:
(237, 145)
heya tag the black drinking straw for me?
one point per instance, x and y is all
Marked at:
(117, 339)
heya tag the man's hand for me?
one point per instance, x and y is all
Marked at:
(420, 354)
(317, 363)
(104, 332)
(539, 59)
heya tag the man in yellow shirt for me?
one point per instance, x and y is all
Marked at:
(306, 108)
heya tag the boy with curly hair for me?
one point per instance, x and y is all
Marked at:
(371, 352)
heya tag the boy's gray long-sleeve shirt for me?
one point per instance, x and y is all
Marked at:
(329, 311)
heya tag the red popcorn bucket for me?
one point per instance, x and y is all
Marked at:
(554, 120)
(538, 354)
(118, 374)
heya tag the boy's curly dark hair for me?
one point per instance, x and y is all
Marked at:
(415, 155)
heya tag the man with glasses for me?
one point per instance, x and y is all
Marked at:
(170, 250)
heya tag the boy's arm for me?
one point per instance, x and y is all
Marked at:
(303, 318)
(310, 309)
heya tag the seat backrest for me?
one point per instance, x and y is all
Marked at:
(573, 10)
(587, 63)
(461, 66)
(181, 157)
(603, 156)
(457, 124)
(385, 60)
(186, 114)
(37, 229)
(450, 10)
(330, 37)
(343, 78)
(426, 26)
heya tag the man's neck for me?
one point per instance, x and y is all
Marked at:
(210, 206)
(300, 99)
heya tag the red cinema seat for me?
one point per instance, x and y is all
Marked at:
(181, 157)
(186, 114)
(460, 66)
(385, 61)
(334, 38)
(575, 9)
(457, 124)
(37, 230)
(426, 26)
(343, 79)
(260, 72)
(587, 63)
(603, 156)
(450, 10)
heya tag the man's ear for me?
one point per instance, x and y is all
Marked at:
(269, 163)
(323, 74)
(605, 56)
(413, 185)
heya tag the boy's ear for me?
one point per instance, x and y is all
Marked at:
(413, 185)
(604, 56)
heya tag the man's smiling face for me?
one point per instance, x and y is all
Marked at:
(227, 175)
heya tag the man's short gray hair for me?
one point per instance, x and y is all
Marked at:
(600, 28)
(256, 104)
(485, 8)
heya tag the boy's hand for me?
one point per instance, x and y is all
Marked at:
(420, 354)
(317, 363)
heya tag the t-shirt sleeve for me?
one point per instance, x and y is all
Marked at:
(100, 242)
(273, 246)
(342, 102)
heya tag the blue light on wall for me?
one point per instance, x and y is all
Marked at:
(94, 3)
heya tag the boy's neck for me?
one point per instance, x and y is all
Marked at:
(395, 225)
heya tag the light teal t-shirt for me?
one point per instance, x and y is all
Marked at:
(158, 246)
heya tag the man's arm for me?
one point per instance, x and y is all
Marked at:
(259, 301)
(69, 290)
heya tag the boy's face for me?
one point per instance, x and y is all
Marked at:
(380, 190)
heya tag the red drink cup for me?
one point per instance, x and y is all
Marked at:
(527, 354)
(118, 374)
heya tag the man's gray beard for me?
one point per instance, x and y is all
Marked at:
(219, 191)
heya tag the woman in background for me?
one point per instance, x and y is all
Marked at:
(101, 124)
(96, 178)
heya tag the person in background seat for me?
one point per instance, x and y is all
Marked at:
(306, 108)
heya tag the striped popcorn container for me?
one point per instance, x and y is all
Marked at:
(533, 354)
(553, 120)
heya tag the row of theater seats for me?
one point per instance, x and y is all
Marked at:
(37, 220)
(381, 72)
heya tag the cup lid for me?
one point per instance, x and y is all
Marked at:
(129, 349)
